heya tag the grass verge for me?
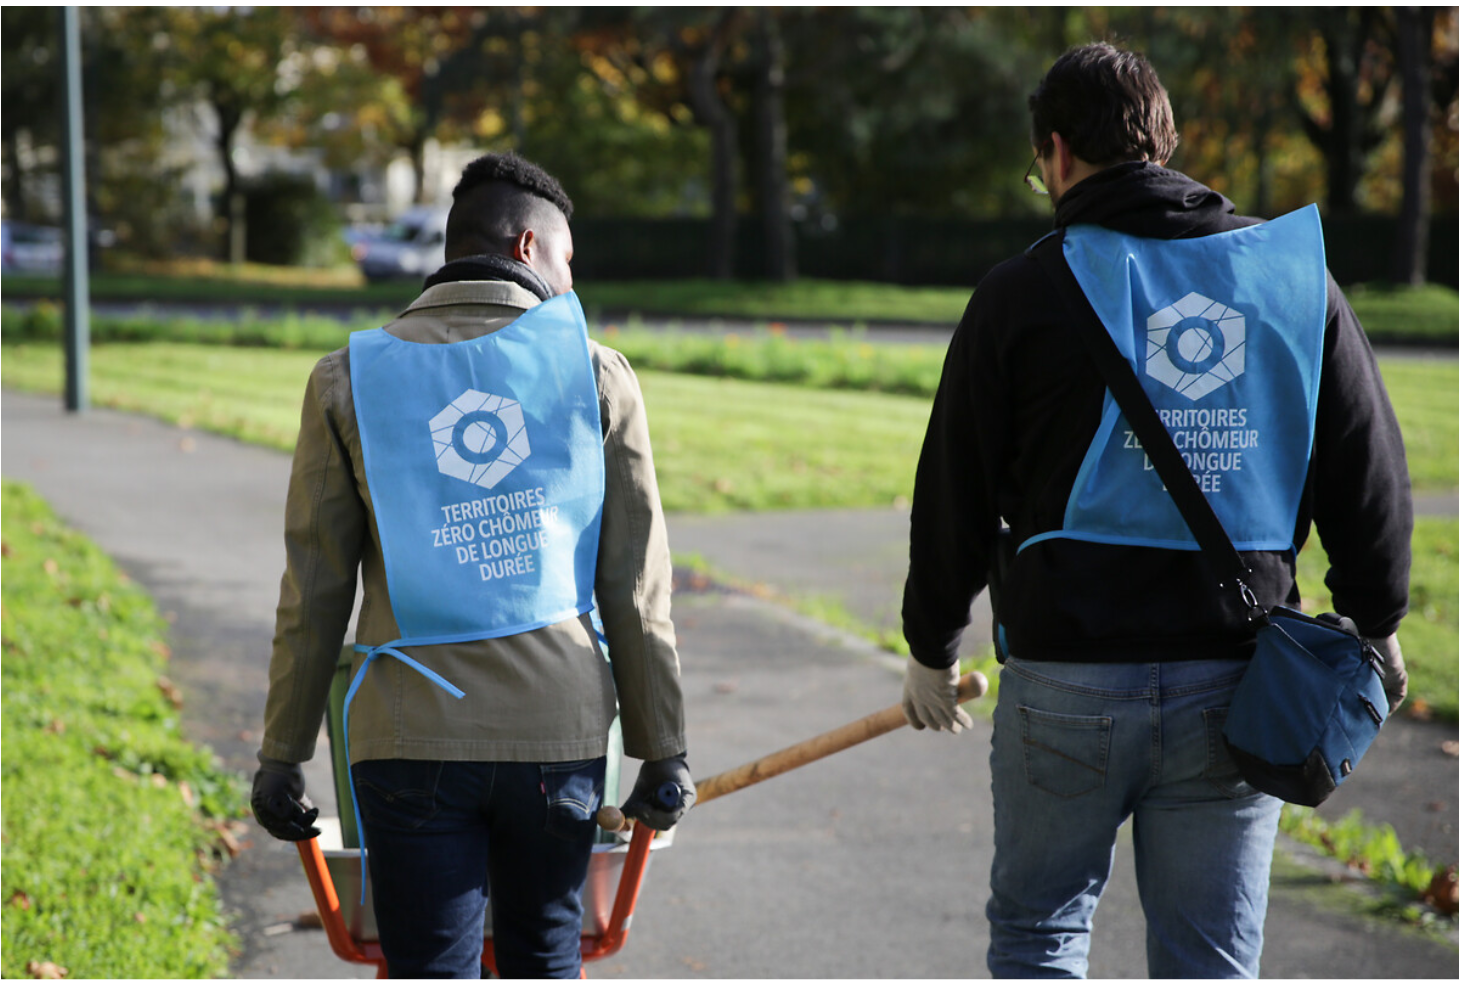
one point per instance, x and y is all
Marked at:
(719, 444)
(1391, 314)
(113, 823)
(1425, 396)
(1422, 389)
(1419, 891)
(1430, 633)
(724, 444)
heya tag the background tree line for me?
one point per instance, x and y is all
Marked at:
(761, 120)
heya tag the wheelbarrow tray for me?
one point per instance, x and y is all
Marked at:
(605, 870)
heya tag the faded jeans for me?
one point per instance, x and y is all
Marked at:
(438, 833)
(1077, 749)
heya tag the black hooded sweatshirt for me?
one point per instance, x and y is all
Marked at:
(1018, 405)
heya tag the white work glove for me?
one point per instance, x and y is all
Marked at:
(1395, 676)
(929, 699)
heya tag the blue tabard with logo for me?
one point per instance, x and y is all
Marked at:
(485, 466)
(484, 460)
(1225, 334)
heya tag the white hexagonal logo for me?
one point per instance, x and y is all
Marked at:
(480, 438)
(1195, 346)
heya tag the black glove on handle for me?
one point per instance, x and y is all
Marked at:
(279, 802)
(663, 793)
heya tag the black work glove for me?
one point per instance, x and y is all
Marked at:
(663, 793)
(279, 802)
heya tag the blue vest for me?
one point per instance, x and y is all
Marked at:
(1225, 334)
(485, 466)
(484, 460)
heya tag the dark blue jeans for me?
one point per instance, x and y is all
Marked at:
(439, 833)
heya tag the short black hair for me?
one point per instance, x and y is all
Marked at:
(515, 170)
(498, 196)
(1107, 103)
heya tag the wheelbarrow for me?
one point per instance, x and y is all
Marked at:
(332, 863)
(620, 858)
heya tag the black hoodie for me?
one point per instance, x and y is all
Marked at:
(1017, 408)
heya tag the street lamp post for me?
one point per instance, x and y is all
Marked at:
(77, 284)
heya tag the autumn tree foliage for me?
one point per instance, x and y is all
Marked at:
(762, 120)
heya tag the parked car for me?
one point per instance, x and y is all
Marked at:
(32, 249)
(413, 246)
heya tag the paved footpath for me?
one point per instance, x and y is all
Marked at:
(869, 864)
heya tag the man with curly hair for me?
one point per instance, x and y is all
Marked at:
(484, 469)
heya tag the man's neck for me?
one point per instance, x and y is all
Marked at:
(492, 266)
(1077, 172)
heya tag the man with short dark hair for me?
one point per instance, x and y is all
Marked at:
(1120, 651)
(485, 470)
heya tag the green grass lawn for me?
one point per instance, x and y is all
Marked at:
(1428, 314)
(1425, 395)
(1430, 634)
(111, 819)
(724, 444)
(719, 444)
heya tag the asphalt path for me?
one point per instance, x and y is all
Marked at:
(871, 863)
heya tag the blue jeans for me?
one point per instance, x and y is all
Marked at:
(439, 833)
(1077, 749)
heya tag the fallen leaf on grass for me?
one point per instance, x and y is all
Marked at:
(18, 899)
(45, 970)
(170, 691)
(1418, 709)
(227, 832)
(1443, 891)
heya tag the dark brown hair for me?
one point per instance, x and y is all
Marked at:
(1107, 103)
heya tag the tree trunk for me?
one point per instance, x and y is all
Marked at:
(229, 118)
(772, 181)
(1415, 40)
(710, 110)
(1344, 165)
(15, 201)
(417, 150)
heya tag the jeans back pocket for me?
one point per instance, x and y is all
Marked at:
(1066, 755)
(574, 791)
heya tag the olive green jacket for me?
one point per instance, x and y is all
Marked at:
(542, 696)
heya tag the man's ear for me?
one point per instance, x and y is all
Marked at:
(1063, 157)
(524, 247)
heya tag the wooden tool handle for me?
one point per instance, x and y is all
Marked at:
(803, 753)
(812, 749)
